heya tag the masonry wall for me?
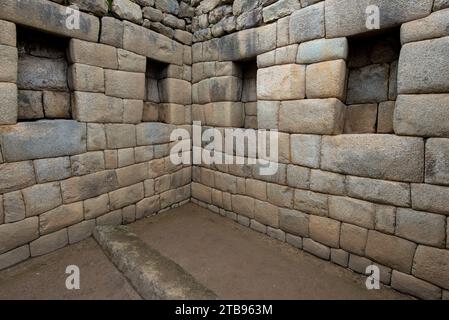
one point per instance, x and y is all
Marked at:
(81, 143)
(363, 121)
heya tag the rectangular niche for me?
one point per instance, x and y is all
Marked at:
(372, 81)
(249, 92)
(155, 72)
(42, 76)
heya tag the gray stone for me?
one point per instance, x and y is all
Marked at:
(13, 235)
(366, 155)
(305, 150)
(43, 139)
(385, 116)
(153, 14)
(60, 217)
(385, 219)
(340, 257)
(113, 218)
(122, 84)
(325, 230)
(327, 182)
(30, 105)
(311, 202)
(91, 107)
(127, 10)
(111, 32)
(8, 63)
(147, 207)
(298, 177)
(440, 4)
(48, 243)
(51, 73)
(420, 72)
(360, 213)
(267, 114)
(286, 82)
(322, 50)
(368, 84)
(16, 176)
(280, 9)
(353, 238)
(317, 249)
(168, 6)
(307, 23)
(120, 135)
(361, 118)
(94, 54)
(414, 286)
(126, 196)
(52, 169)
(41, 198)
(98, 7)
(56, 104)
(14, 207)
(86, 163)
(432, 26)
(431, 264)
(431, 198)
(80, 231)
(153, 133)
(8, 103)
(437, 161)
(13, 257)
(83, 77)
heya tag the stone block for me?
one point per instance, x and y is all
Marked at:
(357, 212)
(43, 139)
(385, 117)
(8, 103)
(326, 80)
(13, 235)
(431, 198)
(15, 256)
(111, 32)
(48, 243)
(368, 84)
(324, 230)
(96, 137)
(129, 214)
(126, 196)
(52, 169)
(125, 157)
(385, 219)
(41, 198)
(123, 84)
(430, 27)
(311, 202)
(132, 111)
(13, 207)
(361, 118)
(366, 155)
(390, 251)
(276, 234)
(437, 161)
(129, 61)
(431, 264)
(82, 77)
(88, 186)
(327, 182)
(57, 105)
(226, 88)
(298, 177)
(312, 116)
(87, 163)
(353, 239)
(60, 217)
(113, 218)
(150, 112)
(421, 227)
(285, 82)
(176, 91)
(381, 191)
(267, 59)
(153, 133)
(8, 34)
(340, 257)
(94, 54)
(8, 63)
(110, 159)
(147, 207)
(96, 107)
(132, 174)
(322, 50)
(30, 105)
(268, 114)
(256, 189)
(305, 150)
(80, 231)
(257, 226)
(51, 74)
(346, 17)
(294, 222)
(280, 9)
(127, 10)
(307, 23)
(266, 213)
(317, 249)
(286, 55)
(16, 176)
(281, 196)
(120, 135)
(420, 72)
(96, 207)
(243, 205)
(410, 285)
(142, 154)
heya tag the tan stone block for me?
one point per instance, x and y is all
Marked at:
(385, 219)
(52, 169)
(13, 206)
(280, 195)
(15, 256)
(266, 213)
(175, 91)
(294, 222)
(360, 213)
(8, 63)
(8, 103)
(256, 189)
(353, 239)
(129, 61)
(243, 205)
(48, 243)
(410, 285)
(385, 117)
(61, 217)
(327, 182)
(120, 135)
(13, 235)
(82, 77)
(361, 118)
(8, 34)
(326, 80)
(113, 218)
(80, 231)
(311, 202)
(96, 206)
(172, 113)
(87, 163)
(41, 198)
(340, 257)
(94, 54)
(96, 107)
(324, 230)
(123, 84)
(431, 264)
(126, 196)
(147, 207)
(317, 249)
(57, 105)
(286, 82)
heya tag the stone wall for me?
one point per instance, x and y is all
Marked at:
(362, 119)
(363, 124)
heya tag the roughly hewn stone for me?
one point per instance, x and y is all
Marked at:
(316, 248)
(83, 77)
(368, 84)
(41, 198)
(432, 264)
(15, 256)
(327, 182)
(60, 217)
(120, 135)
(352, 211)
(311, 202)
(322, 50)
(13, 206)
(324, 230)
(432, 26)
(94, 54)
(353, 238)
(286, 82)
(8, 34)
(30, 105)
(96, 207)
(8, 103)
(326, 80)
(80, 231)
(437, 161)
(127, 10)
(16, 176)
(431, 198)
(49, 243)
(307, 23)
(56, 104)
(126, 196)
(52, 169)
(361, 118)
(13, 235)
(111, 32)
(414, 286)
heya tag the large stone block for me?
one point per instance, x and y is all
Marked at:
(224, 114)
(368, 84)
(60, 217)
(311, 202)
(175, 91)
(151, 44)
(127, 10)
(15, 256)
(30, 105)
(281, 196)
(43, 139)
(420, 72)
(385, 157)
(83, 77)
(307, 23)
(268, 114)
(14, 207)
(431, 198)
(8, 63)
(94, 54)
(421, 227)
(132, 174)
(120, 135)
(123, 84)
(129, 61)
(381, 191)
(8, 33)
(96, 107)
(305, 150)
(361, 118)
(349, 17)
(98, 7)
(327, 182)
(111, 32)
(312, 116)
(87, 163)
(50, 17)
(432, 265)
(80, 231)
(266, 213)
(49, 243)
(430, 27)
(390, 251)
(96, 207)
(298, 177)
(414, 286)
(56, 104)
(13, 235)
(294, 222)
(88, 186)
(437, 161)
(153, 133)
(317, 249)
(326, 80)
(8, 103)
(227, 88)
(360, 213)
(52, 169)
(322, 50)
(126, 196)
(285, 82)
(385, 116)
(325, 230)
(353, 239)
(41, 198)
(16, 176)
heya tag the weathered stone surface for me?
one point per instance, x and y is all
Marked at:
(391, 251)
(298, 177)
(381, 191)
(8, 33)
(414, 286)
(88, 186)
(385, 219)
(176, 91)
(52, 169)
(151, 44)
(280, 9)
(421, 227)
(339, 257)
(316, 248)
(368, 84)
(14, 207)
(43, 139)
(96, 107)
(366, 155)
(311, 202)
(49, 243)
(30, 105)
(352, 211)
(280, 195)
(120, 135)
(111, 32)
(307, 23)
(286, 82)
(353, 238)
(60, 217)
(324, 230)
(326, 80)
(147, 207)
(276, 234)
(98, 7)
(432, 265)
(16, 176)
(94, 54)
(225, 114)
(440, 4)
(14, 256)
(80, 231)
(132, 111)
(86, 163)
(51, 17)
(420, 72)
(312, 116)
(56, 104)
(83, 77)
(267, 114)
(41, 198)
(243, 205)
(327, 182)
(129, 214)
(346, 17)
(132, 174)
(129, 61)
(127, 10)
(8, 63)
(422, 115)
(431, 198)
(385, 117)
(13, 235)
(126, 196)
(437, 161)
(8, 103)
(361, 118)
(322, 50)
(305, 150)
(266, 213)
(256, 189)
(122, 84)
(432, 26)
(113, 218)
(125, 157)
(153, 133)
(96, 137)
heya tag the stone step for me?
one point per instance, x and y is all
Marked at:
(152, 275)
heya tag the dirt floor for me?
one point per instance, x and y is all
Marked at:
(233, 261)
(44, 277)
(239, 263)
